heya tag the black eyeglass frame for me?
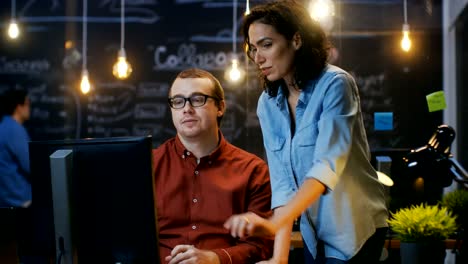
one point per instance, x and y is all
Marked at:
(189, 99)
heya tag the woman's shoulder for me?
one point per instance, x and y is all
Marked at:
(265, 98)
(334, 76)
(333, 71)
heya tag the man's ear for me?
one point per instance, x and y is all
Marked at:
(297, 41)
(221, 108)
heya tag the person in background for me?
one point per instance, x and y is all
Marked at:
(201, 180)
(15, 187)
(315, 142)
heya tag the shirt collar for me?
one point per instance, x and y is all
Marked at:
(183, 152)
(304, 96)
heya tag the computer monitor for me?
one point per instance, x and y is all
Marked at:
(93, 200)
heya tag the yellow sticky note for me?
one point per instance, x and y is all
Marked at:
(436, 101)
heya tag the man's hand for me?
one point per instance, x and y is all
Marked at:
(187, 254)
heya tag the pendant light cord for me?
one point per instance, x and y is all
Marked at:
(13, 9)
(85, 33)
(405, 12)
(122, 24)
(234, 26)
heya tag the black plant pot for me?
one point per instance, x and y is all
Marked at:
(422, 252)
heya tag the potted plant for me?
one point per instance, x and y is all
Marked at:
(457, 203)
(422, 230)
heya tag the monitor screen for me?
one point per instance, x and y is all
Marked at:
(106, 200)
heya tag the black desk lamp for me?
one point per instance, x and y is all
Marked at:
(432, 167)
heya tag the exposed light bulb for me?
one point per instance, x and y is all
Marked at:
(122, 69)
(13, 29)
(321, 9)
(405, 41)
(85, 85)
(234, 73)
(247, 8)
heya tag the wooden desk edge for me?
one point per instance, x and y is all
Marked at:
(296, 242)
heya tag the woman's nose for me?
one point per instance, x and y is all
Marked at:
(259, 59)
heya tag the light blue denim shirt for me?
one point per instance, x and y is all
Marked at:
(330, 145)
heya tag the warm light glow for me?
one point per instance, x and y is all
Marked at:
(85, 86)
(418, 184)
(406, 41)
(234, 73)
(247, 8)
(69, 44)
(122, 69)
(384, 179)
(13, 30)
(321, 9)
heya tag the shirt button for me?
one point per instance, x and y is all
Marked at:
(196, 172)
(194, 227)
(195, 200)
(188, 153)
(183, 156)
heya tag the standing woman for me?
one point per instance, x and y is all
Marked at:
(316, 144)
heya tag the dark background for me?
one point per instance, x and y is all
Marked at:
(163, 37)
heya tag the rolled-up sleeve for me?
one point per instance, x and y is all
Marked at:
(340, 108)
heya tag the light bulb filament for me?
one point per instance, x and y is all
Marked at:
(406, 41)
(234, 73)
(85, 85)
(122, 69)
(13, 30)
(247, 8)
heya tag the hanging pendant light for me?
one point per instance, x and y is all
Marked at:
(85, 85)
(13, 27)
(247, 8)
(234, 73)
(405, 41)
(122, 68)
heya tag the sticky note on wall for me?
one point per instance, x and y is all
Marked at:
(383, 121)
(436, 101)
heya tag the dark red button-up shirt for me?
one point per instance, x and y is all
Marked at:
(194, 200)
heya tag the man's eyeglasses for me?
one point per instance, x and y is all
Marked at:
(196, 100)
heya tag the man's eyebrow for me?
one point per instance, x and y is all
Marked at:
(190, 95)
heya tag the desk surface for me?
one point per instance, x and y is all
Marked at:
(296, 242)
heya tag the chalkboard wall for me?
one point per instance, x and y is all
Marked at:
(165, 37)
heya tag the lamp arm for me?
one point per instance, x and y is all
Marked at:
(459, 174)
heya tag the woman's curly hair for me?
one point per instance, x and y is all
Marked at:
(289, 18)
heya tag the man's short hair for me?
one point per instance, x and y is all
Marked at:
(10, 99)
(218, 90)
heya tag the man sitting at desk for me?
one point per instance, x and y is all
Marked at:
(201, 180)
